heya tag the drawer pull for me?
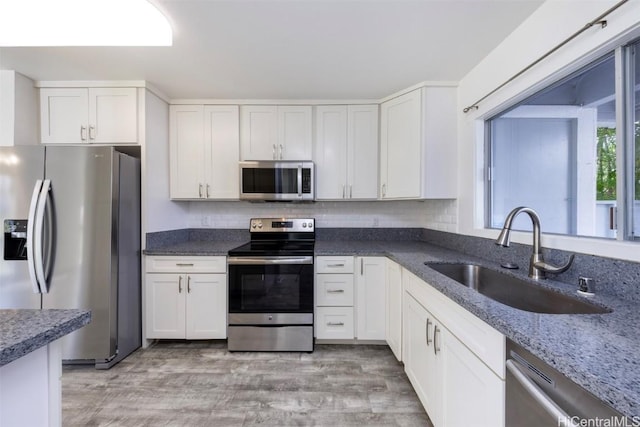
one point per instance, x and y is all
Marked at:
(335, 323)
(335, 291)
(184, 264)
(335, 265)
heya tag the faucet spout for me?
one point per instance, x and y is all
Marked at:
(537, 266)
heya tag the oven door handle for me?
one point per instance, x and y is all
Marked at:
(269, 260)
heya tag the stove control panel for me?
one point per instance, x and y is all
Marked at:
(282, 225)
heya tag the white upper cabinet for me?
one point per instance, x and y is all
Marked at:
(346, 152)
(187, 151)
(204, 151)
(418, 145)
(89, 115)
(271, 132)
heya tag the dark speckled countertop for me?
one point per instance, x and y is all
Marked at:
(598, 351)
(23, 331)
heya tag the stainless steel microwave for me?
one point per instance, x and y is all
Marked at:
(277, 180)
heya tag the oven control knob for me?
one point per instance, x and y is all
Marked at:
(310, 225)
(253, 225)
(259, 225)
(304, 225)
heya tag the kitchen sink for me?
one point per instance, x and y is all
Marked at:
(515, 292)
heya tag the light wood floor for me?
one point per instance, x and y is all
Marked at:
(202, 384)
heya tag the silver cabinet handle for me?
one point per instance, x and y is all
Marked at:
(188, 284)
(343, 194)
(538, 395)
(350, 191)
(428, 339)
(335, 291)
(335, 323)
(384, 190)
(362, 266)
(207, 191)
(83, 133)
(281, 152)
(436, 349)
(92, 132)
(179, 284)
(200, 190)
(335, 265)
(184, 264)
(274, 152)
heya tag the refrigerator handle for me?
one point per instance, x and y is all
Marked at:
(43, 200)
(31, 223)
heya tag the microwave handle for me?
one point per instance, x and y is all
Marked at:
(300, 181)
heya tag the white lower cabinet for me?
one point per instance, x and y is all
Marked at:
(456, 387)
(334, 298)
(183, 304)
(393, 312)
(370, 298)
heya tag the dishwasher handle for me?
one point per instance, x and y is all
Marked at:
(538, 395)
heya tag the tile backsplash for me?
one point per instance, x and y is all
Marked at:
(434, 214)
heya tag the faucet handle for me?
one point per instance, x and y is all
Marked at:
(548, 268)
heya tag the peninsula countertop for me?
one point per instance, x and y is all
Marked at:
(597, 351)
(23, 331)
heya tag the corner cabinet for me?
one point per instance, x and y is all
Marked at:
(346, 152)
(186, 297)
(204, 149)
(276, 132)
(418, 145)
(454, 361)
(89, 115)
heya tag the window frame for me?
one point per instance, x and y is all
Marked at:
(623, 54)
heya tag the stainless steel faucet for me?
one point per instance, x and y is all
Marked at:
(537, 266)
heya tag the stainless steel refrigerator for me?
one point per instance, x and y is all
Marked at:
(71, 239)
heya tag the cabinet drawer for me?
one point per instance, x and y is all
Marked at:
(179, 264)
(334, 290)
(334, 323)
(334, 264)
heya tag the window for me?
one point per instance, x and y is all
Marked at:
(561, 153)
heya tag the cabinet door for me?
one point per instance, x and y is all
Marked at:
(222, 147)
(165, 305)
(64, 116)
(394, 292)
(113, 115)
(362, 172)
(370, 296)
(331, 152)
(472, 393)
(206, 306)
(259, 132)
(187, 151)
(400, 147)
(295, 132)
(420, 362)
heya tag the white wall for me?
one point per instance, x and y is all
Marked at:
(554, 21)
(435, 214)
(159, 213)
(18, 110)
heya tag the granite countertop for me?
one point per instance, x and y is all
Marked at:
(23, 331)
(597, 351)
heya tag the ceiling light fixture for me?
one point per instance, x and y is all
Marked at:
(82, 23)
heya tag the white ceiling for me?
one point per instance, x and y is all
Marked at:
(294, 49)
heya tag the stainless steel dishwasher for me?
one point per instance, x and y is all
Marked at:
(538, 395)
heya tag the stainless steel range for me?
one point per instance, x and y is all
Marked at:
(271, 287)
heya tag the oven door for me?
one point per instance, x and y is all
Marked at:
(270, 285)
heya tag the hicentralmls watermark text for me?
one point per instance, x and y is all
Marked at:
(599, 422)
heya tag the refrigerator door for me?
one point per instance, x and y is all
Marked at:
(84, 266)
(20, 168)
